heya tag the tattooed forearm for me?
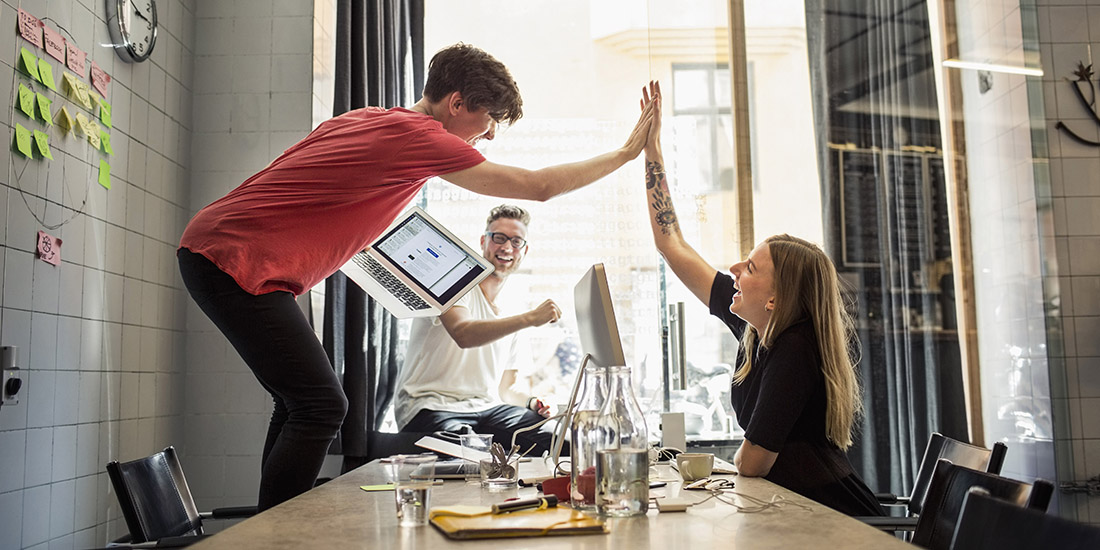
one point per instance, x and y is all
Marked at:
(664, 213)
(654, 172)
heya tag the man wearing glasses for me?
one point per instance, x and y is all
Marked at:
(461, 367)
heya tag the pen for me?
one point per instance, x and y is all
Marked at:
(548, 501)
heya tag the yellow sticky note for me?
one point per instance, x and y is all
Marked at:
(105, 113)
(30, 63)
(371, 488)
(105, 174)
(43, 142)
(81, 126)
(46, 72)
(64, 120)
(105, 139)
(69, 80)
(26, 100)
(23, 140)
(82, 95)
(44, 104)
(92, 131)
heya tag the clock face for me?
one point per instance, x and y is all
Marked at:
(135, 22)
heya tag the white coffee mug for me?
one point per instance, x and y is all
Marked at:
(694, 466)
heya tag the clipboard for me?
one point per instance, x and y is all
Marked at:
(556, 521)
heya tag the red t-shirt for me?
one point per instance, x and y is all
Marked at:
(324, 199)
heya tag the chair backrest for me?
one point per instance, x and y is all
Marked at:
(989, 523)
(154, 497)
(960, 454)
(949, 487)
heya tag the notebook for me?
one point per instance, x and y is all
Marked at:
(462, 524)
(417, 268)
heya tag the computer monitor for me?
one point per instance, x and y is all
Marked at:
(599, 334)
(596, 324)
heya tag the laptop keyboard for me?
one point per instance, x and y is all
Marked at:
(390, 283)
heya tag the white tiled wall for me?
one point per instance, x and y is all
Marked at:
(1069, 32)
(253, 98)
(100, 337)
(1008, 221)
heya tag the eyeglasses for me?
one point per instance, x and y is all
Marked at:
(501, 238)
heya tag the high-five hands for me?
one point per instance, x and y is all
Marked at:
(651, 98)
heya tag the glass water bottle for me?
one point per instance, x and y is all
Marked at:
(586, 439)
(622, 462)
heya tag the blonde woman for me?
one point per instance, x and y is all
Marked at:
(795, 391)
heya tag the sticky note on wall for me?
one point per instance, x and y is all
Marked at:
(23, 140)
(105, 174)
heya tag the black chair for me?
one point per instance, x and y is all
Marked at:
(989, 523)
(939, 446)
(949, 488)
(157, 504)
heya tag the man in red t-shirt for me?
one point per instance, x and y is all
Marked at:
(247, 255)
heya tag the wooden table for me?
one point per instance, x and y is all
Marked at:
(339, 514)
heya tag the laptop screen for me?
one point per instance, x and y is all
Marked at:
(432, 260)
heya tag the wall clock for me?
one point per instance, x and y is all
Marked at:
(133, 27)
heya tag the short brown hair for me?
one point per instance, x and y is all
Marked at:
(479, 77)
(508, 211)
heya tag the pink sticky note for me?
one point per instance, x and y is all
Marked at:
(55, 43)
(49, 248)
(30, 28)
(76, 58)
(100, 79)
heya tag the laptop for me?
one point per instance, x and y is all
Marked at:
(417, 268)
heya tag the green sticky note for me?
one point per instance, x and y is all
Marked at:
(26, 100)
(43, 142)
(46, 72)
(44, 104)
(30, 63)
(105, 113)
(23, 140)
(105, 139)
(105, 174)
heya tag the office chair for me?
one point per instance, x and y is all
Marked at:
(939, 446)
(989, 523)
(949, 488)
(156, 501)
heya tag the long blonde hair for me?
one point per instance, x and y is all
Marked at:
(806, 286)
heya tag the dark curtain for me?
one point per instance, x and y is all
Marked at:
(378, 42)
(886, 228)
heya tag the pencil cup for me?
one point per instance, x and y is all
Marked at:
(412, 477)
(499, 476)
(474, 447)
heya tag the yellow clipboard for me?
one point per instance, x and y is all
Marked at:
(525, 523)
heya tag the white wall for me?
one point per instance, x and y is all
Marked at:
(1068, 32)
(100, 336)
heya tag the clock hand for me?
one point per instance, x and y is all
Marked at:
(138, 12)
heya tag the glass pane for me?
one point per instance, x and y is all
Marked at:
(691, 89)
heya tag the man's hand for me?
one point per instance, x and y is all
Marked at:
(652, 96)
(546, 312)
(640, 135)
(536, 404)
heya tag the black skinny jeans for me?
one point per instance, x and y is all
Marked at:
(274, 338)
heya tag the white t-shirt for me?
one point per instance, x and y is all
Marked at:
(441, 376)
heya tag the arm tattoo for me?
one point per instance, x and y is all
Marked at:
(653, 172)
(665, 215)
